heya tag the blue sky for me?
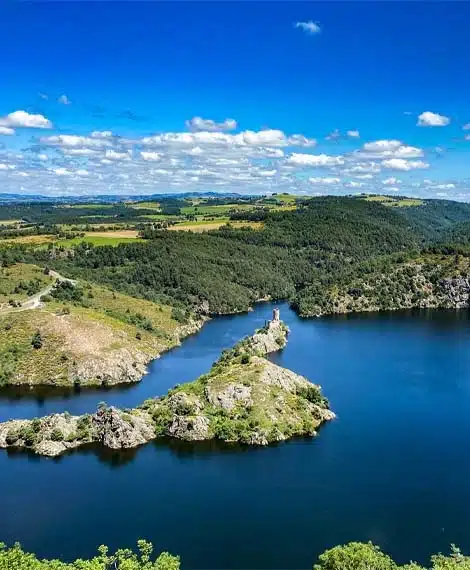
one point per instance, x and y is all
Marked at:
(100, 98)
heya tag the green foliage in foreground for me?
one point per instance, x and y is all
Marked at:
(360, 556)
(16, 559)
(353, 556)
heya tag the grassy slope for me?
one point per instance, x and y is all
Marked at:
(12, 277)
(101, 328)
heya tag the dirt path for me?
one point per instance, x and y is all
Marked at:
(34, 302)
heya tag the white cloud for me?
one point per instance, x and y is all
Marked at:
(364, 167)
(392, 181)
(115, 155)
(61, 171)
(23, 119)
(7, 131)
(301, 159)
(43, 157)
(383, 145)
(334, 135)
(73, 141)
(309, 27)
(354, 184)
(353, 134)
(7, 166)
(466, 127)
(101, 134)
(429, 119)
(390, 149)
(197, 124)
(82, 172)
(324, 180)
(151, 155)
(266, 137)
(300, 140)
(79, 151)
(64, 100)
(404, 165)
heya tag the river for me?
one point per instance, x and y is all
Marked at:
(393, 468)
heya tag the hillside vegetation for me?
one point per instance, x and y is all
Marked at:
(85, 334)
(298, 255)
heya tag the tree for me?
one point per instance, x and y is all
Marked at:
(36, 341)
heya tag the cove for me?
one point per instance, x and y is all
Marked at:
(393, 468)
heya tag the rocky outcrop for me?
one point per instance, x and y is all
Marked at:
(117, 430)
(58, 433)
(271, 338)
(244, 398)
(456, 292)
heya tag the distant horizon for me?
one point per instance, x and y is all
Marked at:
(313, 99)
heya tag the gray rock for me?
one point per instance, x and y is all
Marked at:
(189, 428)
(230, 396)
(118, 430)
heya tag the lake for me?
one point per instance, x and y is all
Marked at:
(393, 468)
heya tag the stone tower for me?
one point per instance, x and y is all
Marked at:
(276, 315)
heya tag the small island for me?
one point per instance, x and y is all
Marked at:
(244, 398)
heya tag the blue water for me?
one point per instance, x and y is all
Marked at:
(393, 468)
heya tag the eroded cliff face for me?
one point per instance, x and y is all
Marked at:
(244, 398)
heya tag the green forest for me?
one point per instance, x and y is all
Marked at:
(327, 250)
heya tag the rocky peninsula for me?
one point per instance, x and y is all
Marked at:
(244, 398)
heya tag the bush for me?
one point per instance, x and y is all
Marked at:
(57, 435)
(245, 359)
(36, 341)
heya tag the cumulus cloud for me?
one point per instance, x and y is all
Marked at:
(353, 134)
(116, 155)
(101, 134)
(324, 180)
(197, 124)
(390, 149)
(266, 137)
(392, 181)
(466, 127)
(309, 27)
(7, 131)
(22, 119)
(429, 119)
(151, 155)
(74, 141)
(404, 165)
(79, 151)
(64, 100)
(300, 159)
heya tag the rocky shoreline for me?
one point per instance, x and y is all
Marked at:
(244, 398)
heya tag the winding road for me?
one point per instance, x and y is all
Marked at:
(34, 302)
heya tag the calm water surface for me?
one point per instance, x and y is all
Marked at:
(393, 468)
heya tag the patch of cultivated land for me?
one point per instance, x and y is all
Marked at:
(105, 338)
(31, 240)
(103, 238)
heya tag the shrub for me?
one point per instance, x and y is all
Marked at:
(36, 341)
(245, 359)
(57, 435)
